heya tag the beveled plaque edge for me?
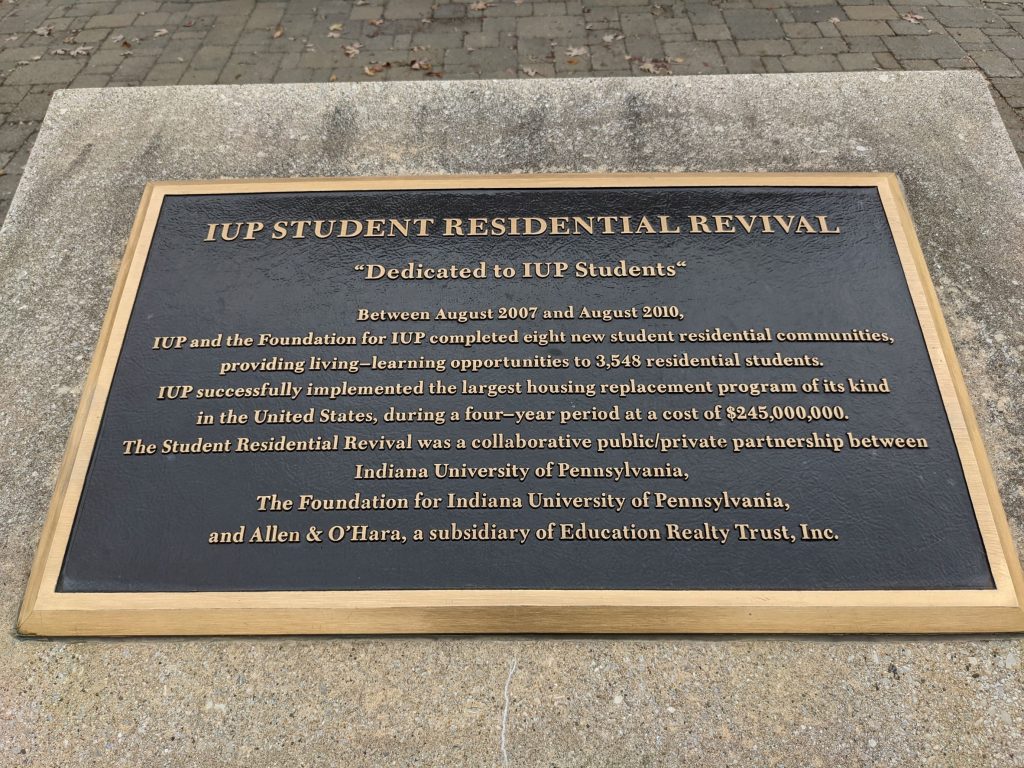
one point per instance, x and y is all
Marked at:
(47, 612)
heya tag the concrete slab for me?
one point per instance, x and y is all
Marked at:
(501, 701)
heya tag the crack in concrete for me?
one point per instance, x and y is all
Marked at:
(504, 712)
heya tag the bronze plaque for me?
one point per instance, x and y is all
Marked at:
(600, 403)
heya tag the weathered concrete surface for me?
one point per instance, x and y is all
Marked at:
(487, 701)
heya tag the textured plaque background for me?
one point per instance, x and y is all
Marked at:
(904, 516)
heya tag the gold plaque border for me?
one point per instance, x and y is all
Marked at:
(48, 612)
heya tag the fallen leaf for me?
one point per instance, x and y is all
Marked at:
(375, 22)
(835, 20)
(117, 38)
(36, 58)
(576, 51)
(572, 61)
(373, 69)
(530, 72)
(70, 39)
(82, 50)
(352, 50)
(43, 31)
(479, 6)
(125, 44)
(160, 33)
(653, 66)
(677, 59)
(420, 64)
(127, 53)
(336, 27)
(3, 172)
(434, 73)
(278, 32)
(612, 37)
(59, 52)
(12, 37)
(362, 2)
(335, 35)
(188, 23)
(913, 18)
(332, 79)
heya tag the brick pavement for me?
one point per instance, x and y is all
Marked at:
(50, 44)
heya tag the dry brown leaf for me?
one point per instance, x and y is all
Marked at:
(43, 31)
(654, 66)
(125, 44)
(352, 50)
(278, 32)
(332, 79)
(420, 64)
(70, 39)
(373, 69)
(530, 72)
(677, 59)
(913, 18)
(376, 22)
(82, 50)
(434, 73)
(572, 61)
(479, 6)
(336, 27)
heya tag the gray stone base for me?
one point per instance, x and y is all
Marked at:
(486, 701)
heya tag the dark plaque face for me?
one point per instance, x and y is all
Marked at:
(660, 403)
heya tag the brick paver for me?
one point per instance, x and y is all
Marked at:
(50, 44)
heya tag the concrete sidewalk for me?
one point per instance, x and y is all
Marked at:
(49, 45)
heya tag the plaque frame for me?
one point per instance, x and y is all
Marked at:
(45, 611)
